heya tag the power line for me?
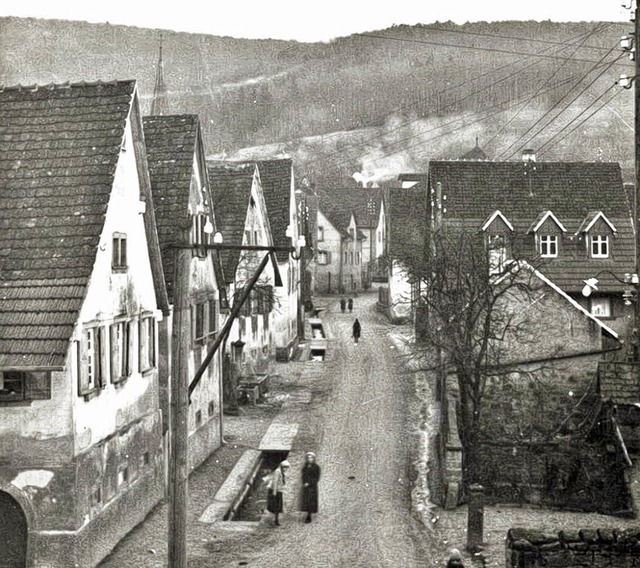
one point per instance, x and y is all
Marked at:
(477, 48)
(557, 104)
(546, 82)
(570, 43)
(554, 140)
(448, 133)
(519, 38)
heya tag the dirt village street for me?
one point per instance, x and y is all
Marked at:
(354, 415)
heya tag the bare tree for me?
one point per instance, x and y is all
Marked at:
(462, 309)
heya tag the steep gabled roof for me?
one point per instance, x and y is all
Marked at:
(231, 192)
(476, 153)
(59, 146)
(171, 143)
(524, 190)
(497, 214)
(542, 218)
(406, 221)
(338, 204)
(276, 179)
(590, 220)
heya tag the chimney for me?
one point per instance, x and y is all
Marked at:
(529, 155)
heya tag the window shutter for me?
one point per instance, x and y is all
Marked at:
(98, 356)
(152, 343)
(141, 343)
(129, 346)
(83, 362)
(123, 251)
(115, 349)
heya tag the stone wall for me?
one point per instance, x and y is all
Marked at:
(569, 474)
(573, 549)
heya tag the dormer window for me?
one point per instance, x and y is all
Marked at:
(548, 246)
(497, 250)
(547, 229)
(599, 246)
(598, 231)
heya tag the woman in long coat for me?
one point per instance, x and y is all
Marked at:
(356, 331)
(276, 486)
(310, 478)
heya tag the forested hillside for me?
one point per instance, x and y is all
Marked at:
(378, 102)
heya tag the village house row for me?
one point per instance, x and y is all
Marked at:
(94, 201)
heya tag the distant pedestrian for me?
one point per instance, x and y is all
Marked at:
(455, 559)
(350, 304)
(356, 331)
(276, 483)
(343, 304)
(310, 478)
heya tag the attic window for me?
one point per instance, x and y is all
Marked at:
(119, 253)
(252, 202)
(600, 246)
(548, 246)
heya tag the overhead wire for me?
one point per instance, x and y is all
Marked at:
(521, 140)
(475, 48)
(555, 139)
(523, 61)
(546, 82)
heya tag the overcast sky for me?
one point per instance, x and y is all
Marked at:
(318, 20)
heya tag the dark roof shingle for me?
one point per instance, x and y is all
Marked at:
(231, 185)
(59, 146)
(521, 191)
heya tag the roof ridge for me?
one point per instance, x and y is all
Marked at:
(65, 85)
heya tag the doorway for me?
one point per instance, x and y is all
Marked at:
(13, 533)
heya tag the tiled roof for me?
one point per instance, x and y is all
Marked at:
(275, 177)
(522, 191)
(59, 146)
(476, 153)
(231, 192)
(339, 203)
(171, 142)
(406, 220)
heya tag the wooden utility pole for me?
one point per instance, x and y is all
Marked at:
(179, 432)
(636, 220)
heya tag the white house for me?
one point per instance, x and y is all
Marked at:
(82, 299)
(184, 213)
(242, 220)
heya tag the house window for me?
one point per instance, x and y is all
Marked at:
(497, 254)
(199, 313)
(599, 246)
(96, 497)
(320, 233)
(346, 257)
(147, 343)
(351, 258)
(198, 234)
(549, 246)
(24, 385)
(601, 307)
(212, 408)
(263, 299)
(323, 258)
(198, 418)
(357, 258)
(212, 317)
(123, 476)
(120, 351)
(119, 252)
(91, 376)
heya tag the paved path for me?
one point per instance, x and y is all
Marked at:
(364, 519)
